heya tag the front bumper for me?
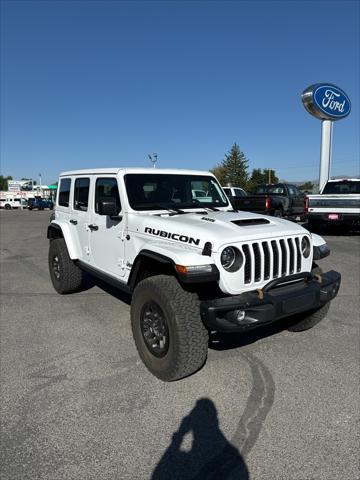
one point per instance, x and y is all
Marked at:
(278, 299)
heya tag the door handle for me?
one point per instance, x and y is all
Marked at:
(74, 222)
(93, 227)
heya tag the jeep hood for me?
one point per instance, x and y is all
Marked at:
(220, 227)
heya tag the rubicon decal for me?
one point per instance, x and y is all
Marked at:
(172, 236)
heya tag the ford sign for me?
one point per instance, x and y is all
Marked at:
(326, 101)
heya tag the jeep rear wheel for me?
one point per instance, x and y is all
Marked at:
(168, 332)
(66, 277)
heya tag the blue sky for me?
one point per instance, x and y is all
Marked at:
(104, 83)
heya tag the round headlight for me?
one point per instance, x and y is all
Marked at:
(231, 259)
(305, 247)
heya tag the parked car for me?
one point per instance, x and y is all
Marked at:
(337, 204)
(278, 200)
(40, 204)
(191, 267)
(233, 193)
(9, 202)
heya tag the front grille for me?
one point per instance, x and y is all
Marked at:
(271, 259)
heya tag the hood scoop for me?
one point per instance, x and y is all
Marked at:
(249, 222)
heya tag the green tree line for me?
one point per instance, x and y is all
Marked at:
(4, 182)
(234, 171)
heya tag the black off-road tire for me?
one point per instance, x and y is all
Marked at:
(305, 321)
(187, 336)
(308, 320)
(67, 277)
(278, 213)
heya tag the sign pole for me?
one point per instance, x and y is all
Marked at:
(328, 103)
(325, 152)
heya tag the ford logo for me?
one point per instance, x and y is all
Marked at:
(326, 101)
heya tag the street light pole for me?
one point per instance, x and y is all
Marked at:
(40, 185)
(153, 158)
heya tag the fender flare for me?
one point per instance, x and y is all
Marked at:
(147, 255)
(62, 230)
(170, 264)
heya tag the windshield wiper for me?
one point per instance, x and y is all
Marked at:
(170, 208)
(196, 203)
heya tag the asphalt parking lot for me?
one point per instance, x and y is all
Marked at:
(77, 403)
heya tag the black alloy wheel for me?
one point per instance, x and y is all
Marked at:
(154, 329)
(56, 266)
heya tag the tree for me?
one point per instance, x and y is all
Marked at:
(219, 173)
(307, 186)
(233, 169)
(4, 182)
(260, 176)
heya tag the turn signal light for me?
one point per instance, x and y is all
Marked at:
(181, 269)
(193, 269)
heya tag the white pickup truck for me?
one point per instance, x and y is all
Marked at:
(337, 204)
(192, 264)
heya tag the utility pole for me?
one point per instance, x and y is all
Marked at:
(269, 175)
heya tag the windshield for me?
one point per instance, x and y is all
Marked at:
(342, 186)
(153, 191)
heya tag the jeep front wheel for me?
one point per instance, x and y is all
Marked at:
(66, 277)
(168, 332)
(307, 320)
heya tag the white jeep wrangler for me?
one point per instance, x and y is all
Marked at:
(191, 262)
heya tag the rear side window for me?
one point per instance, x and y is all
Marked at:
(64, 192)
(81, 194)
(106, 190)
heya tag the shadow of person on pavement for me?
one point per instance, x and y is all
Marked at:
(211, 456)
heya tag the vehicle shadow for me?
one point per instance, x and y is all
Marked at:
(227, 341)
(211, 456)
(335, 230)
(91, 282)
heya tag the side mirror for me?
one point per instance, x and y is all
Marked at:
(109, 208)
